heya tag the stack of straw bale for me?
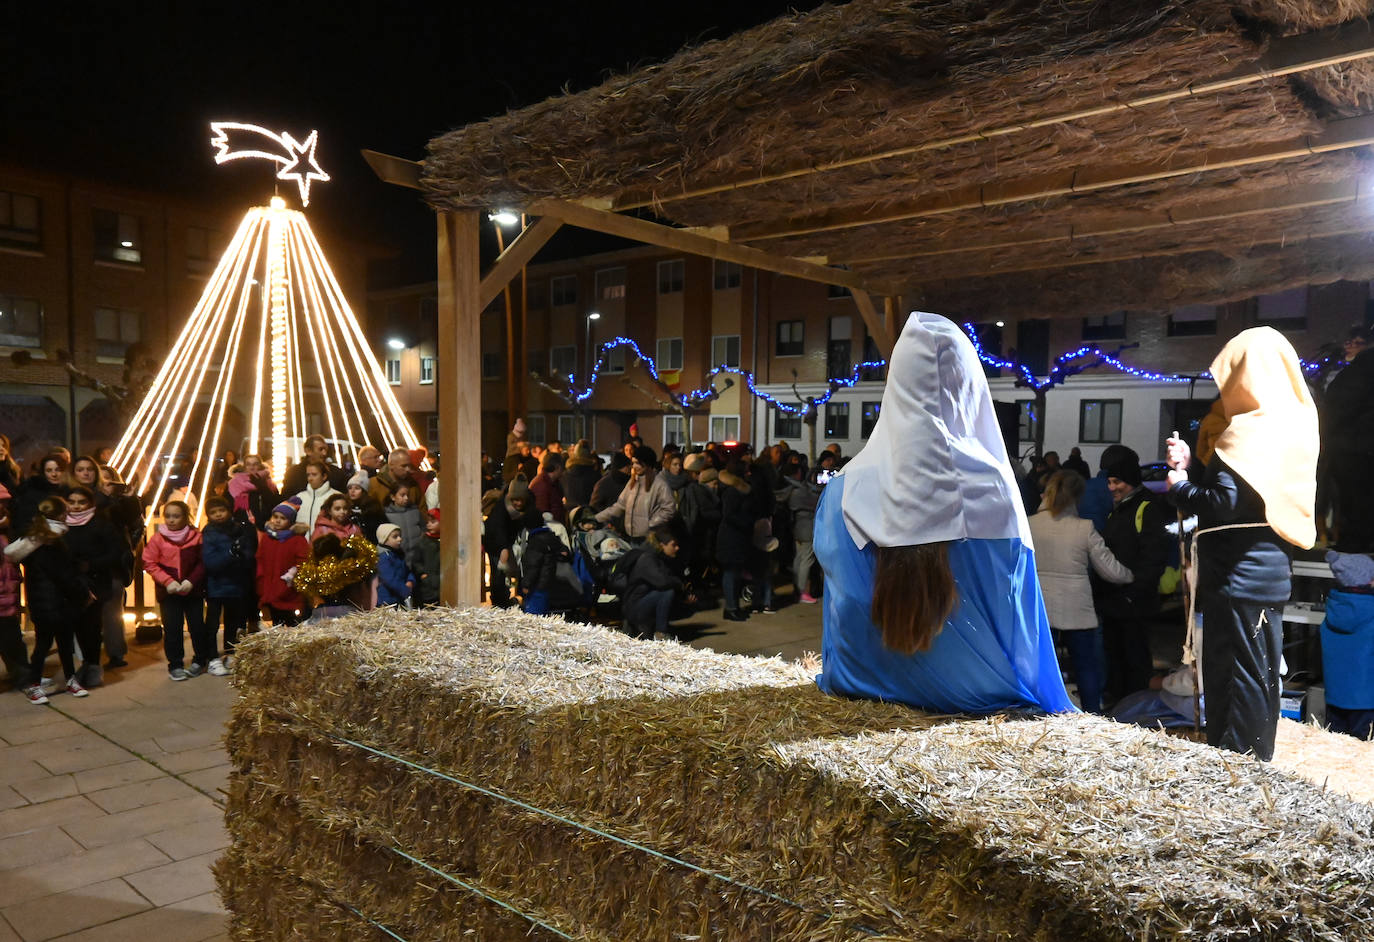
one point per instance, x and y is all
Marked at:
(486, 775)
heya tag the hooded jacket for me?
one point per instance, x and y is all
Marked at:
(311, 503)
(275, 559)
(169, 562)
(230, 551)
(735, 537)
(643, 504)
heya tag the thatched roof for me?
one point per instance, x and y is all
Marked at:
(979, 106)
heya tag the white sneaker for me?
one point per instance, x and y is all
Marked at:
(217, 668)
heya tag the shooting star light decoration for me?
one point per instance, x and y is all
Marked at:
(235, 141)
(314, 369)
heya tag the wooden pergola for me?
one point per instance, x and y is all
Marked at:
(975, 159)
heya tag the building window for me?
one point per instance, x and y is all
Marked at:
(115, 330)
(21, 322)
(491, 366)
(786, 425)
(202, 249)
(836, 419)
(839, 357)
(724, 428)
(571, 428)
(1026, 420)
(534, 429)
(426, 370)
(669, 353)
(1109, 327)
(1193, 320)
(790, 341)
(671, 276)
(1286, 310)
(613, 360)
(562, 361)
(393, 370)
(725, 352)
(563, 290)
(1099, 421)
(20, 221)
(868, 417)
(432, 431)
(675, 429)
(118, 237)
(873, 374)
(727, 275)
(610, 284)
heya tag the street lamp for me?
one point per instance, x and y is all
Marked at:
(396, 343)
(504, 217)
(587, 345)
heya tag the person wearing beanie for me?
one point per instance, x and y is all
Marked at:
(547, 489)
(280, 551)
(513, 513)
(646, 501)
(1096, 502)
(610, 485)
(1134, 532)
(366, 512)
(395, 581)
(424, 562)
(580, 475)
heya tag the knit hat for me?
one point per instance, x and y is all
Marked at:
(619, 462)
(646, 456)
(288, 509)
(361, 479)
(696, 462)
(417, 455)
(1124, 465)
(519, 489)
(434, 512)
(709, 475)
(384, 531)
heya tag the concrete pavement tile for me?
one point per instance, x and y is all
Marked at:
(7, 933)
(140, 822)
(136, 723)
(173, 882)
(107, 698)
(191, 739)
(213, 781)
(19, 769)
(33, 847)
(122, 773)
(63, 913)
(9, 798)
(72, 737)
(86, 753)
(59, 811)
(193, 760)
(198, 919)
(54, 874)
(191, 840)
(34, 726)
(140, 794)
(46, 789)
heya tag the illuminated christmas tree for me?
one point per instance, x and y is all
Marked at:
(272, 327)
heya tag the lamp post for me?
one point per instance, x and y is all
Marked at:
(515, 339)
(591, 361)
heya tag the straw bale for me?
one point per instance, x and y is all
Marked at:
(1341, 763)
(902, 823)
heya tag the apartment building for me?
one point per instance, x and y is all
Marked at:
(692, 314)
(100, 273)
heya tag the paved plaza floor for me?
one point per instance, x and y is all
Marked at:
(111, 806)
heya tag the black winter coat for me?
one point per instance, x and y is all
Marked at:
(1145, 552)
(607, 490)
(229, 552)
(101, 552)
(735, 538)
(424, 563)
(502, 529)
(652, 571)
(26, 500)
(52, 586)
(1251, 563)
(578, 483)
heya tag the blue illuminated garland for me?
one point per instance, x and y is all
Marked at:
(1058, 372)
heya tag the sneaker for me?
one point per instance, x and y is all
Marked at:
(217, 668)
(734, 614)
(75, 689)
(178, 673)
(809, 599)
(767, 610)
(116, 662)
(194, 670)
(36, 695)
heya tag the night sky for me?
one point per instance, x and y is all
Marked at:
(125, 92)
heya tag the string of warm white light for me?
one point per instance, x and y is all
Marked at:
(273, 282)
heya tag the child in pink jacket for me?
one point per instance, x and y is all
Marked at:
(173, 558)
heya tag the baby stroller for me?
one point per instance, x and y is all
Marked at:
(595, 552)
(549, 581)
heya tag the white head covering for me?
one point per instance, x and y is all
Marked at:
(935, 467)
(1272, 440)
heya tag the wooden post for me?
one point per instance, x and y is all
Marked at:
(460, 408)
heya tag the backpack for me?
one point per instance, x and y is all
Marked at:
(1172, 576)
(618, 580)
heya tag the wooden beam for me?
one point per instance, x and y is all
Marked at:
(394, 170)
(890, 317)
(516, 257)
(1348, 42)
(1310, 196)
(460, 408)
(681, 240)
(1338, 135)
(876, 328)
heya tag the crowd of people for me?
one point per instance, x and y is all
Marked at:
(325, 542)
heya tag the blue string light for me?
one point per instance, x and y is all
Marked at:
(1058, 372)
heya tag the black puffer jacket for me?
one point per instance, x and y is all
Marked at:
(27, 499)
(735, 538)
(1140, 543)
(652, 571)
(54, 591)
(102, 552)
